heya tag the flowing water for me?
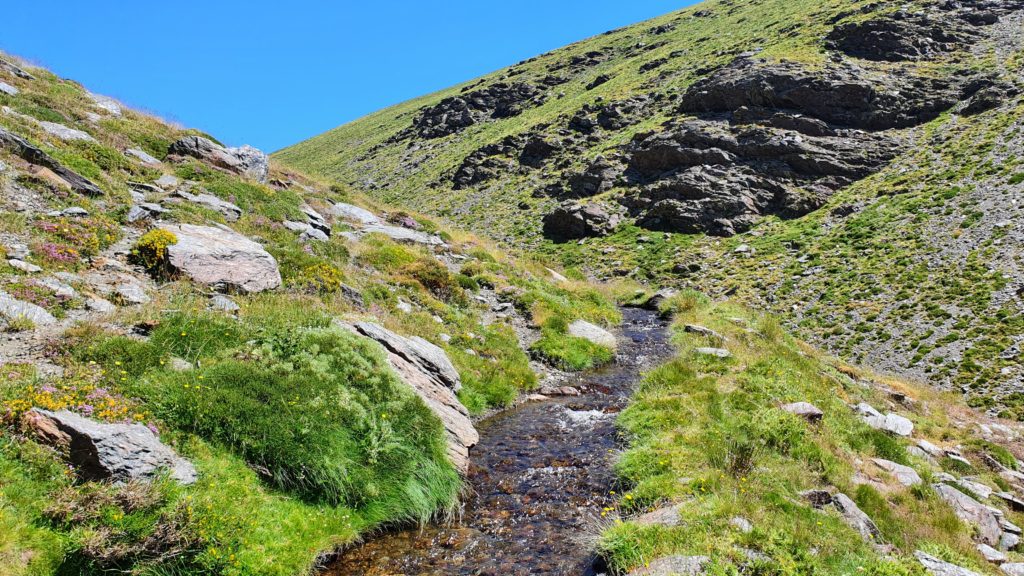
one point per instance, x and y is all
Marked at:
(540, 476)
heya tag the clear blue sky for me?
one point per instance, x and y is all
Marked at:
(273, 73)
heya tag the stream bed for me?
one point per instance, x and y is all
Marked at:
(539, 478)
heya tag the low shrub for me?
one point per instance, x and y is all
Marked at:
(150, 251)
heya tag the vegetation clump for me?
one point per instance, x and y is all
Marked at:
(150, 251)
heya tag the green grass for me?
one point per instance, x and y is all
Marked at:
(708, 434)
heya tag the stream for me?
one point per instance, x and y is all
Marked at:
(539, 478)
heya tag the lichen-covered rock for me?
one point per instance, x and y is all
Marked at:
(26, 151)
(429, 372)
(101, 451)
(221, 258)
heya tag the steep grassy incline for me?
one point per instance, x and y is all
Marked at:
(850, 165)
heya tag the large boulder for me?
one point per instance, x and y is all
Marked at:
(354, 213)
(429, 372)
(221, 258)
(246, 160)
(101, 451)
(593, 333)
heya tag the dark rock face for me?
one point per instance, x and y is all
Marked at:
(572, 221)
(622, 113)
(900, 37)
(537, 151)
(451, 115)
(844, 96)
(597, 178)
(720, 178)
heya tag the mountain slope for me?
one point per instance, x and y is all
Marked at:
(858, 157)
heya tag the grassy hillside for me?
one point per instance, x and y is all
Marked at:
(913, 268)
(303, 436)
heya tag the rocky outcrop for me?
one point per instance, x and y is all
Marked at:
(229, 211)
(26, 151)
(844, 95)
(398, 234)
(100, 451)
(454, 114)
(903, 474)
(593, 333)
(900, 36)
(429, 372)
(972, 512)
(221, 258)
(571, 221)
(597, 178)
(245, 160)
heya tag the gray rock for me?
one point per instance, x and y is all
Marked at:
(229, 211)
(742, 524)
(704, 331)
(12, 308)
(23, 266)
(65, 133)
(222, 303)
(399, 234)
(6, 88)
(316, 219)
(100, 305)
(141, 155)
(865, 409)
(937, 567)
(144, 211)
(1011, 500)
(980, 490)
(131, 295)
(177, 364)
(11, 68)
(593, 333)
(16, 250)
(222, 258)
(658, 298)
(117, 452)
(34, 155)
(991, 554)
(673, 566)
(892, 423)
(354, 213)
(1009, 541)
(856, 518)
(429, 372)
(167, 181)
(972, 512)
(715, 352)
(904, 474)
(1013, 568)
(931, 449)
(246, 160)
(106, 103)
(59, 288)
(667, 516)
(805, 410)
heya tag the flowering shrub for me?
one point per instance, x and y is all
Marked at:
(83, 236)
(57, 254)
(150, 251)
(319, 278)
(32, 291)
(80, 391)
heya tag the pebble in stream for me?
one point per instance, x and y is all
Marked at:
(540, 476)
